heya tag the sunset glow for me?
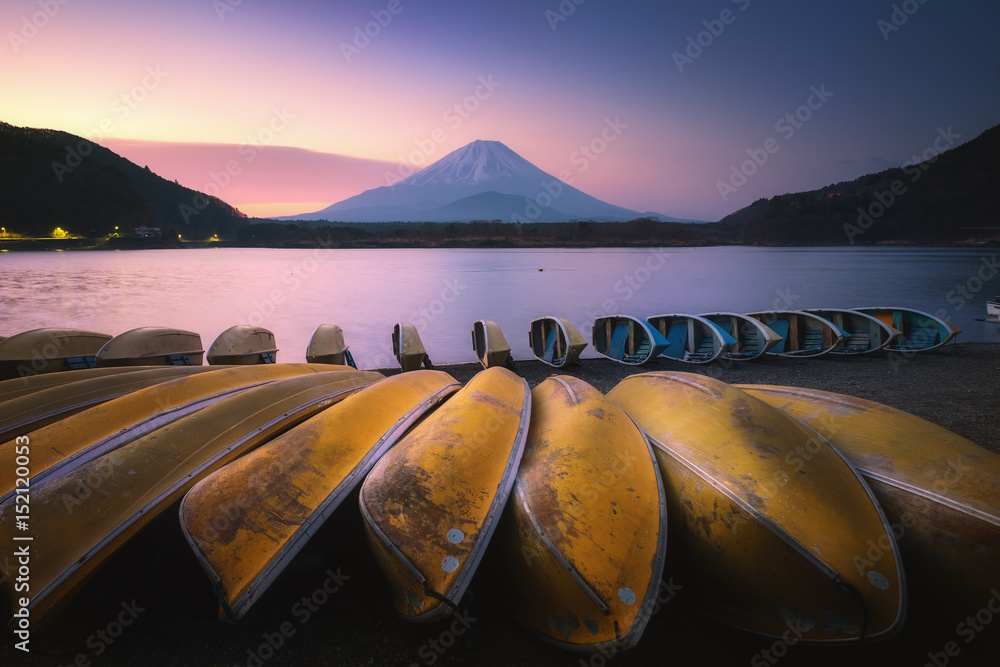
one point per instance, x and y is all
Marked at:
(399, 83)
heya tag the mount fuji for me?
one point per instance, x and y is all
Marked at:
(483, 180)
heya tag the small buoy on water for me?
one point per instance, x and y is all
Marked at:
(541, 269)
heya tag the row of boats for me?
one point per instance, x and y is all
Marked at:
(697, 339)
(785, 507)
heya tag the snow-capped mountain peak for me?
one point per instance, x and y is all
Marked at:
(475, 164)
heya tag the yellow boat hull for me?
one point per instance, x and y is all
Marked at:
(26, 413)
(83, 516)
(408, 348)
(100, 428)
(940, 491)
(761, 540)
(584, 540)
(247, 520)
(432, 502)
(489, 344)
(17, 387)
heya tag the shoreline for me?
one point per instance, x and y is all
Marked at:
(156, 584)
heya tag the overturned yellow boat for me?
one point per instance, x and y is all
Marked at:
(490, 346)
(584, 538)
(178, 391)
(83, 516)
(243, 344)
(327, 346)
(763, 539)
(152, 346)
(408, 348)
(49, 351)
(940, 491)
(35, 410)
(247, 520)
(433, 501)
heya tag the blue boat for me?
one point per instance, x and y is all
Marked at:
(803, 334)
(864, 333)
(918, 331)
(753, 338)
(693, 339)
(627, 340)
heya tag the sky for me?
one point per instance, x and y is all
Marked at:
(689, 109)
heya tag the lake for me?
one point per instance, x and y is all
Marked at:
(443, 291)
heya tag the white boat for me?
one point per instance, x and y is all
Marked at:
(993, 310)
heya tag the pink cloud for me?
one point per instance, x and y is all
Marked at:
(258, 179)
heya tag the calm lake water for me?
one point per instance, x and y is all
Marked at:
(443, 292)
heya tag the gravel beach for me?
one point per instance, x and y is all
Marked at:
(152, 605)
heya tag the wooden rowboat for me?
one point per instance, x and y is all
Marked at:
(864, 333)
(764, 538)
(275, 498)
(152, 346)
(49, 351)
(693, 339)
(243, 344)
(80, 518)
(940, 491)
(408, 348)
(327, 346)
(490, 346)
(584, 539)
(555, 341)
(753, 338)
(918, 331)
(432, 502)
(803, 334)
(627, 340)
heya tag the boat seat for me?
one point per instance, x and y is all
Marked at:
(267, 357)
(813, 339)
(780, 327)
(78, 363)
(179, 360)
(750, 342)
(704, 351)
(859, 341)
(921, 337)
(640, 354)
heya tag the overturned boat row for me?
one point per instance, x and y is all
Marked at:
(761, 499)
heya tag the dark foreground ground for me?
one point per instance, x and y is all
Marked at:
(152, 605)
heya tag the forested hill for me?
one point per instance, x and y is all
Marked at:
(52, 179)
(948, 198)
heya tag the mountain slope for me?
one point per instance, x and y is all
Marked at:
(54, 179)
(475, 169)
(947, 198)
